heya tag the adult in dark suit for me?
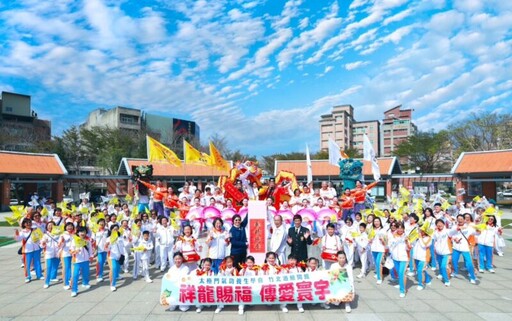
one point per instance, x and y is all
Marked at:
(299, 238)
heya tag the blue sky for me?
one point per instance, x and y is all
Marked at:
(259, 72)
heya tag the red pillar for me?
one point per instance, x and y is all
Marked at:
(5, 194)
(59, 191)
(389, 186)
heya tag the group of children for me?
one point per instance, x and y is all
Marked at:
(405, 244)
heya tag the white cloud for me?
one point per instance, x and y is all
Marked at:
(355, 65)
(398, 17)
(308, 39)
(304, 22)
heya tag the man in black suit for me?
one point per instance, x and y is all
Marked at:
(299, 238)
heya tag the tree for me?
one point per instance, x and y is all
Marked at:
(479, 133)
(427, 151)
(353, 152)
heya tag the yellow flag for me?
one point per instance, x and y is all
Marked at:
(445, 205)
(490, 211)
(160, 153)
(404, 192)
(135, 212)
(476, 199)
(79, 242)
(135, 230)
(128, 198)
(481, 227)
(413, 235)
(11, 220)
(193, 156)
(217, 160)
(113, 237)
(114, 200)
(139, 248)
(57, 230)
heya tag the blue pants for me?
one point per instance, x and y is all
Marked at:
(359, 208)
(485, 256)
(346, 214)
(116, 270)
(100, 265)
(400, 267)
(420, 265)
(66, 269)
(468, 262)
(159, 208)
(377, 258)
(443, 266)
(215, 265)
(433, 261)
(143, 207)
(80, 268)
(411, 260)
(51, 270)
(35, 259)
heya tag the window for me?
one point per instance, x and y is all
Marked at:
(8, 109)
(129, 119)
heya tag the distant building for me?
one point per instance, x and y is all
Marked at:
(372, 129)
(20, 128)
(338, 126)
(118, 118)
(170, 131)
(346, 131)
(396, 127)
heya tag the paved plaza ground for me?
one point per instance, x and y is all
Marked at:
(490, 300)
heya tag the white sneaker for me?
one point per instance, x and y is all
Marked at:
(419, 288)
(402, 295)
(66, 287)
(240, 311)
(360, 276)
(433, 268)
(54, 280)
(396, 286)
(472, 281)
(301, 310)
(22, 265)
(148, 280)
(428, 283)
(198, 310)
(440, 276)
(379, 281)
(46, 286)
(125, 271)
(325, 306)
(480, 271)
(73, 294)
(99, 279)
(27, 280)
(410, 273)
(42, 277)
(184, 308)
(285, 310)
(348, 309)
(492, 271)
(500, 254)
(113, 288)
(447, 283)
(218, 310)
(86, 286)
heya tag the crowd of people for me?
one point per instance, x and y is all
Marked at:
(402, 241)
